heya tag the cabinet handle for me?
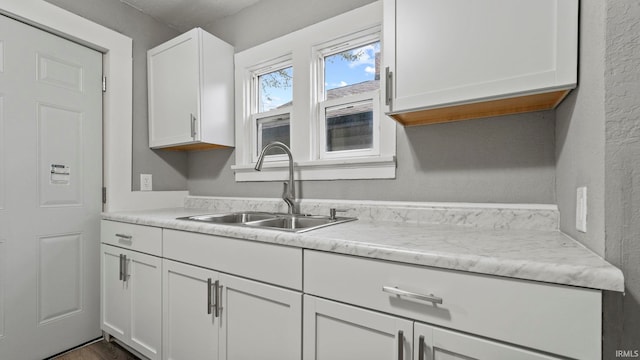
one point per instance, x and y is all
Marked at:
(124, 237)
(209, 296)
(421, 347)
(124, 268)
(403, 293)
(218, 305)
(121, 269)
(193, 126)
(387, 88)
(400, 345)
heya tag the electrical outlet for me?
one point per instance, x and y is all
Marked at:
(581, 209)
(146, 182)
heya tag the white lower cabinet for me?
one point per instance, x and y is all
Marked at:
(131, 299)
(210, 315)
(433, 343)
(342, 332)
(190, 328)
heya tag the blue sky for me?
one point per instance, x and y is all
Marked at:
(338, 72)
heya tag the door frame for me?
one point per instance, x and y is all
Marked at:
(117, 62)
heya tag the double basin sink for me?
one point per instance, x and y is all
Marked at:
(268, 220)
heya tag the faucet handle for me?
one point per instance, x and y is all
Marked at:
(333, 211)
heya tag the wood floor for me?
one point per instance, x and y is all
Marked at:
(100, 350)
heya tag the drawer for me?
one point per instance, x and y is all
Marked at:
(141, 238)
(270, 263)
(554, 318)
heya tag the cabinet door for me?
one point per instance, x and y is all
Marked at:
(190, 328)
(433, 343)
(333, 331)
(114, 293)
(259, 321)
(447, 52)
(173, 71)
(144, 278)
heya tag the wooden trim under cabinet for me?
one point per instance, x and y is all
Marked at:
(200, 146)
(515, 105)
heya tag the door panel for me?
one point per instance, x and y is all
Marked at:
(50, 114)
(443, 344)
(115, 309)
(60, 277)
(333, 331)
(60, 166)
(145, 284)
(267, 317)
(189, 330)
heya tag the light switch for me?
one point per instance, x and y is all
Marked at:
(581, 209)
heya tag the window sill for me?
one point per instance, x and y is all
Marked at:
(344, 169)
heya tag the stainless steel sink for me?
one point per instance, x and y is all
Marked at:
(232, 218)
(267, 220)
(297, 223)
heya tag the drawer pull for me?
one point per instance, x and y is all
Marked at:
(403, 293)
(124, 237)
(400, 345)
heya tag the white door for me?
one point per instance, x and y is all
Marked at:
(190, 327)
(259, 321)
(334, 331)
(434, 343)
(50, 192)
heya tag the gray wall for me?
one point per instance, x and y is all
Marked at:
(622, 172)
(598, 145)
(169, 169)
(580, 139)
(507, 159)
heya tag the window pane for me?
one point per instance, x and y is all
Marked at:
(353, 71)
(350, 127)
(275, 89)
(272, 129)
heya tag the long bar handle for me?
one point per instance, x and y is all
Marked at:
(124, 268)
(388, 86)
(400, 345)
(125, 237)
(193, 126)
(121, 269)
(428, 298)
(218, 305)
(421, 347)
(209, 296)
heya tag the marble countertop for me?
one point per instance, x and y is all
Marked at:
(540, 255)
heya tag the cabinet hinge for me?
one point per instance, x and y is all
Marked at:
(104, 84)
(104, 195)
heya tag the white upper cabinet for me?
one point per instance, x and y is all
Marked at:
(190, 85)
(460, 59)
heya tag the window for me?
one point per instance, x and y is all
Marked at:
(272, 99)
(318, 90)
(349, 89)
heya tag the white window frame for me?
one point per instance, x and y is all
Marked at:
(333, 47)
(299, 47)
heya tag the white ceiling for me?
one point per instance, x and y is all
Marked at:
(184, 15)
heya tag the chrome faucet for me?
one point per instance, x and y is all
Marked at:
(289, 192)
